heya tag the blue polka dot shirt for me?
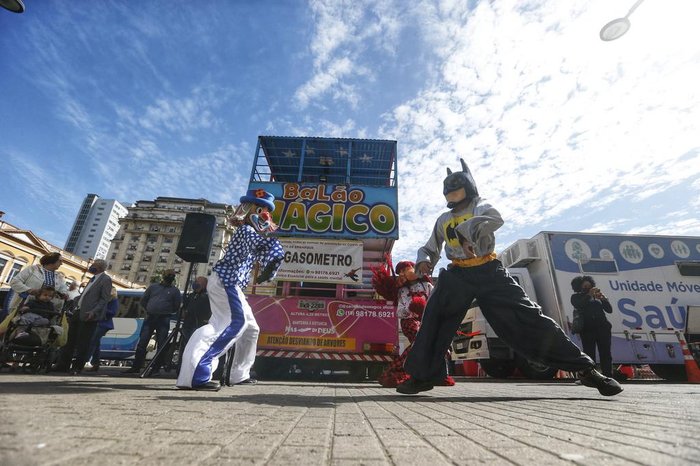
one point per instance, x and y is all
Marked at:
(245, 248)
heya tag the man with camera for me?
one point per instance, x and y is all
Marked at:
(595, 331)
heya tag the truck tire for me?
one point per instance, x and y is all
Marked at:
(271, 368)
(358, 372)
(534, 370)
(375, 370)
(671, 372)
(498, 368)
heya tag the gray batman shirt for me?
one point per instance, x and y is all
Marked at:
(476, 222)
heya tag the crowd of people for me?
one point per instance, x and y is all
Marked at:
(219, 315)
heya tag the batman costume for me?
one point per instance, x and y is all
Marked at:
(467, 233)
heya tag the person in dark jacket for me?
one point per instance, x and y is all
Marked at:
(198, 310)
(103, 326)
(596, 330)
(161, 301)
(92, 307)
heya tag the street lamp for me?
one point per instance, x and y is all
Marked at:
(619, 26)
(15, 6)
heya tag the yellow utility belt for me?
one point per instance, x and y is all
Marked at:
(474, 261)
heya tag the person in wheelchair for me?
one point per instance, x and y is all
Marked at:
(36, 313)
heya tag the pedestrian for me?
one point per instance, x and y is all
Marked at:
(27, 283)
(92, 307)
(410, 294)
(72, 297)
(35, 318)
(197, 310)
(467, 233)
(232, 320)
(595, 331)
(161, 302)
(103, 326)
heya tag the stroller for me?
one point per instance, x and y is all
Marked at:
(31, 346)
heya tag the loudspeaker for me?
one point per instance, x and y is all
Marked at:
(196, 238)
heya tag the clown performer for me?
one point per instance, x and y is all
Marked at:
(409, 293)
(467, 231)
(232, 320)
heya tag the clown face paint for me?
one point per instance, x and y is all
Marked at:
(260, 219)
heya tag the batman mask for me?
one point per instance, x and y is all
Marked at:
(458, 180)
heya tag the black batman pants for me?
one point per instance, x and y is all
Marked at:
(517, 320)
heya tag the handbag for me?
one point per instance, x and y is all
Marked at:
(62, 338)
(577, 324)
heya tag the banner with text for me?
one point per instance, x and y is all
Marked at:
(334, 210)
(321, 260)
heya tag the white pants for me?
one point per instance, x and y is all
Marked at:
(232, 321)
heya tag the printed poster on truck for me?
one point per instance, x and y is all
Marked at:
(321, 260)
(323, 324)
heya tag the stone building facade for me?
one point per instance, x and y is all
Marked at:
(20, 247)
(148, 236)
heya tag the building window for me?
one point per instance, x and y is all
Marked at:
(14, 270)
(114, 255)
(3, 263)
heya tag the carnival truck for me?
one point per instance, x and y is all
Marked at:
(336, 208)
(651, 282)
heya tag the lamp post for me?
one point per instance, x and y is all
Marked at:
(82, 279)
(618, 27)
(15, 6)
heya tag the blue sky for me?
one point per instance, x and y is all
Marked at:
(134, 100)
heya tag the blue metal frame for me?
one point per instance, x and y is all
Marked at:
(356, 162)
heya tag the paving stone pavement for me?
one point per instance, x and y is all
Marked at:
(112, 420)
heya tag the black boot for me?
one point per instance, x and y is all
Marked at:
(413, 386)
(209, 386)
(607, 386)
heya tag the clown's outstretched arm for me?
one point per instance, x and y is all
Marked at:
(479, 230)
(429, 254)
(270, 256)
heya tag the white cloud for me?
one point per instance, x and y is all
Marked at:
(547, 115)
(343, 30)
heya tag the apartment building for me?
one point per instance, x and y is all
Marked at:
(94, 228)
(148, 236)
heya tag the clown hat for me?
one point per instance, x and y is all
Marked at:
(259, 197)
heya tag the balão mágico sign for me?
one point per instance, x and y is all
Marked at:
(334, 210)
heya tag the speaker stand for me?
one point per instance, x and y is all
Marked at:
(172, 343)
